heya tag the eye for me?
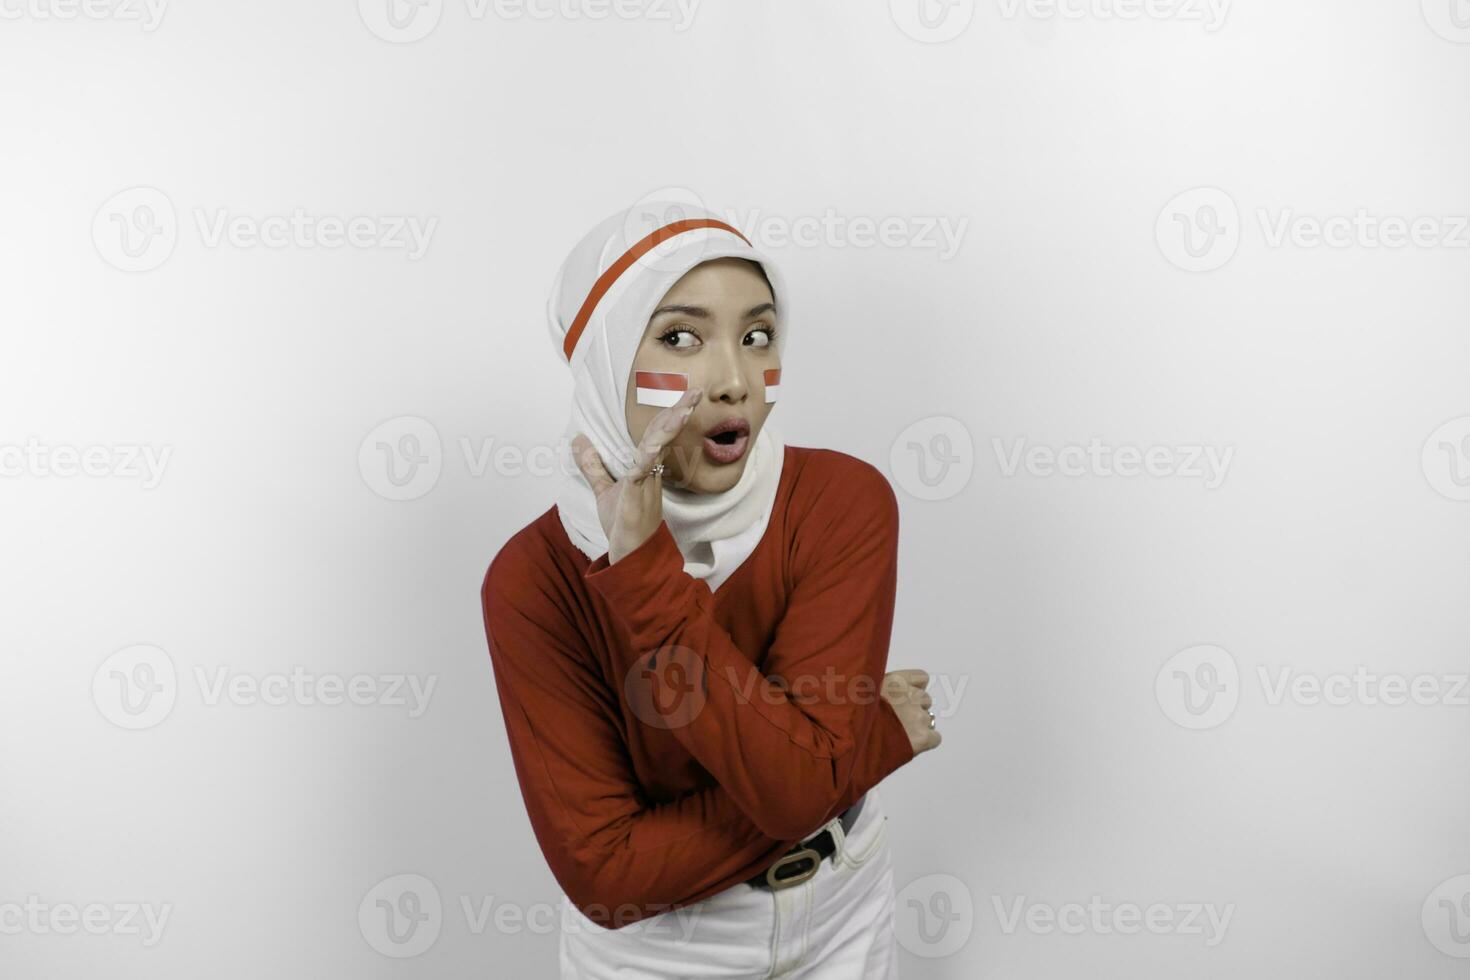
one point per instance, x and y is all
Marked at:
(691, 338)
(761, 336)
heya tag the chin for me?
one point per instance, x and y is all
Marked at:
(710, 478)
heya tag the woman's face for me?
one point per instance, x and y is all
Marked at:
(717, 325)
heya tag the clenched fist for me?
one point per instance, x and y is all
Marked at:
(904, 689)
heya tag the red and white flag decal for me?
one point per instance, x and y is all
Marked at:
(773, 384)
(661, 388)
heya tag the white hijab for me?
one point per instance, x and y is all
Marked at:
(715, 531)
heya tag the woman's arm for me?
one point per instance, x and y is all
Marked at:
(618, 857)
(785, 750)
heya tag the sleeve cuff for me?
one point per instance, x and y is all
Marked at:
(648, 588)
(897, 749)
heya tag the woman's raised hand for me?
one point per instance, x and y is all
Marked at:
(904, 689)
(631, 509)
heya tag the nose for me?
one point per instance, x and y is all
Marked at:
(724, 380)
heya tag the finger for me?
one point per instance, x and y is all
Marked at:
(590, 463)
(912, 676)
(662, 430)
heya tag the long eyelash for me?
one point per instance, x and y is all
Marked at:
(770, 330)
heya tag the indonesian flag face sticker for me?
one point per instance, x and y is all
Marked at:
(773, 384)
(660, 388)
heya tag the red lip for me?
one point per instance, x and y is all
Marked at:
(727, 452)
(733, 423)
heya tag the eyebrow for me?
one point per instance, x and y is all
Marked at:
(704, 314)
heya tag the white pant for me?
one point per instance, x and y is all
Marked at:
(836, 925)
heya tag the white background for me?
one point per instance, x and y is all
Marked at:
(1061, 139)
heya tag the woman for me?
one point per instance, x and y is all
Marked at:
(689, 647)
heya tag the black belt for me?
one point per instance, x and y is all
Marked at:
(804, 859)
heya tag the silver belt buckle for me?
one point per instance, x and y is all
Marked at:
(779, 883)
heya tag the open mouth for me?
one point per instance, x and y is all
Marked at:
(725, 441)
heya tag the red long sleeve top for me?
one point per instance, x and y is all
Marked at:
(670, 742)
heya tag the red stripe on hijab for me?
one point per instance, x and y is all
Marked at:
(606, 280)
